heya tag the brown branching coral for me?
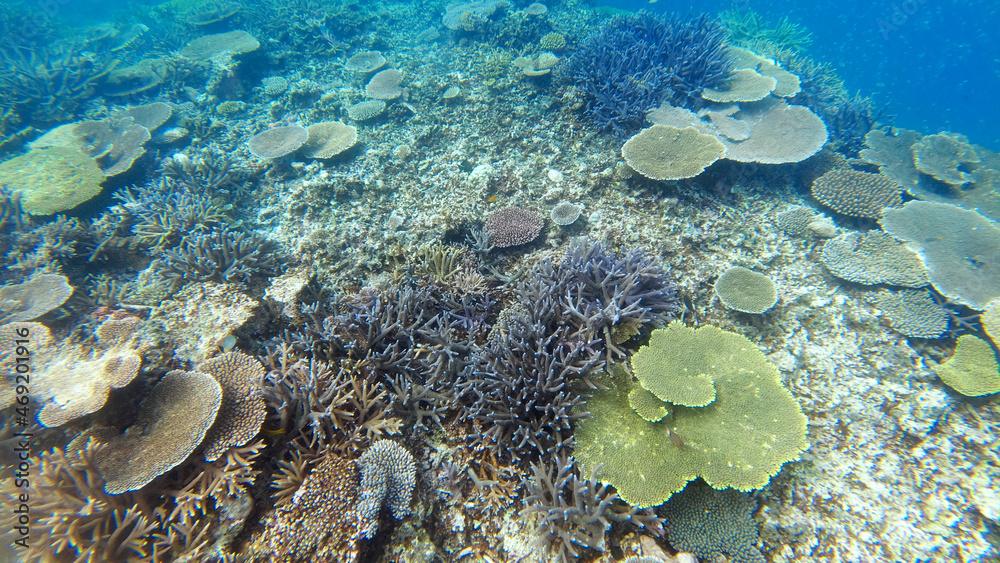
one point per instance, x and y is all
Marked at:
(343, 410)
(319, 524)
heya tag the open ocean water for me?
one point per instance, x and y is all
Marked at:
(499, 281)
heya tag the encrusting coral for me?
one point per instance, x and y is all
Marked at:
(710, 523)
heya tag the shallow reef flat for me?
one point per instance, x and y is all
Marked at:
(337, 281)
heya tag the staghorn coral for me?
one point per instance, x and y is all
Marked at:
(388, 475)
(33, 298)
(209, 170)
(79, 517)
(512, 226)
(48, 83)
(872, 258)
(572, 513)
(740, 440)
(278, 141)
(220, 255)
(961, 248)
(242, 411)
(607, 297)
(164, 212)
(710, 523)
(858, 194)
(636, 62)
(319, 523)
(662, 152)
(522, 388)
(339, 410)
(745, 290)
(972, 370)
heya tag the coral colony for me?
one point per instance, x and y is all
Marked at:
(496, 281)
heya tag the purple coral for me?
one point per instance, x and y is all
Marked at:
(513, 226)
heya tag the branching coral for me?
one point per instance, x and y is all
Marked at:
(343, 410)
(520, 388)
(165, 211)
(221, 255)
(572, 513)
(388, 475)
(606, 296)
(637, 62)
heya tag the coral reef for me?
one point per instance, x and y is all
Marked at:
(512, 226)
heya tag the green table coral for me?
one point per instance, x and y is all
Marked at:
(972, 371)
(739, 440)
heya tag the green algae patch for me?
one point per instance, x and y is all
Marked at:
(52, 179)
(739, 440)
(972, 371)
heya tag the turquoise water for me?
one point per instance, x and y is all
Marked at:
(330, 280)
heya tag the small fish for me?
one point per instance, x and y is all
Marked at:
(675, 439)
(491, 199)
(273, 433)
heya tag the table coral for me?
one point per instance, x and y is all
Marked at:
(739, 440)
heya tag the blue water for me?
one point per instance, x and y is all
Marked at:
(936, 63)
